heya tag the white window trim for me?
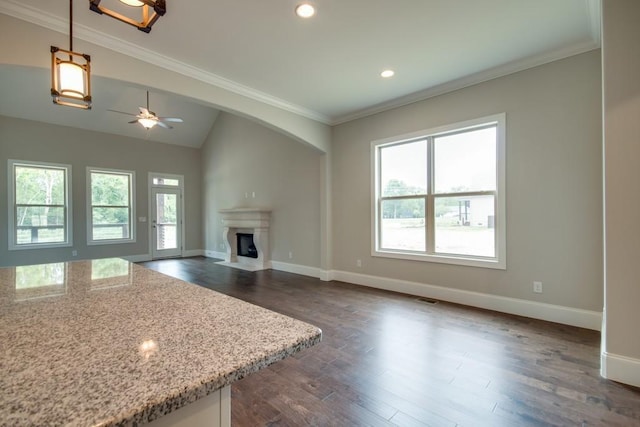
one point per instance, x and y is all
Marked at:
(11, 226)
(132, 201)
(500, 260)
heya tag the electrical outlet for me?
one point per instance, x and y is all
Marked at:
(74, 253)
(359, 263)
(537, 287)
(290, 255)
(253, 194)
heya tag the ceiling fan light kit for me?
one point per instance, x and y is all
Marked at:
(148, 119)
(147, 123)
(150, 10)
(70, 74)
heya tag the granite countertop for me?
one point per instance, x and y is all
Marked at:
(107, 342)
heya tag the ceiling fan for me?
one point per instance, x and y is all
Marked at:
(149, 119)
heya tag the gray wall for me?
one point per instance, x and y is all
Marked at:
(621, 81)
(240, 157)
(36, 141)
(554, 184)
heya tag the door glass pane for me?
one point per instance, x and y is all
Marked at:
(465, 161)
(403, 169)
(166, 181)
(166, 221)
(403, 224)
(465, 225)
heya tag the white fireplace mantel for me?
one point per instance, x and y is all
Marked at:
(246, 220)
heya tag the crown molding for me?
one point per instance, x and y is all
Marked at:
(470, 80)
(30, 14)
(54, 23)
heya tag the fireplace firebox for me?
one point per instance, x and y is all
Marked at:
(245, 246)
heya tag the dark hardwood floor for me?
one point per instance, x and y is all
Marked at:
(390, 359)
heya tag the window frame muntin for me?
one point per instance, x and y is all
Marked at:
(132, 206)
(500, 259)
(12, 228)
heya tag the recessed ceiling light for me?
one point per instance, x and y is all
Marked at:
(387, 73)
(305, 10)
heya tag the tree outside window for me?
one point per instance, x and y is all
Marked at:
(111, 206)
(39, 206)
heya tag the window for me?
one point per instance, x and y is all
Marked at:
(39, 205)
(111, 210)
(439, 194)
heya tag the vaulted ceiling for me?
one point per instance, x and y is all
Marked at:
(326, 68)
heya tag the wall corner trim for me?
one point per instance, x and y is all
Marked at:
(553, 313)
(620, 368)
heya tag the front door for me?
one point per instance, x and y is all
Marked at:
(166, 222)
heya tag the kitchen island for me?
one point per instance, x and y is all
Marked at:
(106, 342)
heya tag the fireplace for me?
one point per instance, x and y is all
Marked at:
(245, 245)
(246, 237)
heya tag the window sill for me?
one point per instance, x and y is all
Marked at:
(33, 246)
(110, 242)
(443, 259)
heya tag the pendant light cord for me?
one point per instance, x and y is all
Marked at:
(71, 25)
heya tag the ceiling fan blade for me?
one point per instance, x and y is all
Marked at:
(164, 125)
(133, 121)
(171, 119)
(122, 112)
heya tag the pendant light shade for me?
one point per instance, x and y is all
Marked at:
(146, 12)
(134, 3)
(70, 74)
(70, 78)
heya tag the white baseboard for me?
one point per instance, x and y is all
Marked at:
(550, 312)
(295, 268)
(620, 368)
(325, 275)
(214, 254)
(137, 258)
(536, 310)
(192, 252)
(147, 257)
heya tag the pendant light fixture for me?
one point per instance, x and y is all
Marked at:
(150, 11)
(70, 74)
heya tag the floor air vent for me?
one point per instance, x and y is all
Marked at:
(428, 300)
